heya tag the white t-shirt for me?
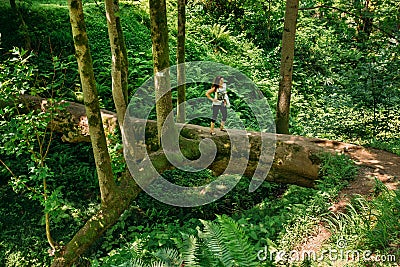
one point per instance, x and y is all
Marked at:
(221, 95)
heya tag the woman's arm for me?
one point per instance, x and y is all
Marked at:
(209, 92)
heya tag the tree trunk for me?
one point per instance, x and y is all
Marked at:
(119, 61)
(96, 226)
(159, 38)
(114, 200)
(125, 63)
(365, 22)
(92, 106)
(296, 158)
(286, 70)
(180, 60)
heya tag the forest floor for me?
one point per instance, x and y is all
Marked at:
(373, 164)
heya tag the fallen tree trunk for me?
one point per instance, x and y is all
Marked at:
(71, 120)
(295, 160)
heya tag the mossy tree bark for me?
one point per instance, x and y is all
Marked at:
(125, 64)
(119, 61)
(286, 69)
(92, 106)
(295, 162)
(159, 38)
(180, 60)
(114, 199)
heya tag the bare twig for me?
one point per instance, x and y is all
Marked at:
(16, 177)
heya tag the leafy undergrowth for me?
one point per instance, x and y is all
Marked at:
(368, 230)
(343, 90)
(23, 238)
(277, 222)
(391, 145)
(242, 228)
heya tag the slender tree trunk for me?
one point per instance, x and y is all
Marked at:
(364, 27)
(85, 67)
(125, 63)
(286, 70)
(119, 62)
(180, 56)
(159, 38)
(114, 200)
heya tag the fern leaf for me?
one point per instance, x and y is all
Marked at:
(215, 242)
(138, 263)
(237, 242)
(159, 264)
(169, 256)
(188, 250)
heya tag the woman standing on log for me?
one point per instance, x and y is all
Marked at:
(220, 102)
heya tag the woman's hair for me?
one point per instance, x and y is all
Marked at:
(216, 82)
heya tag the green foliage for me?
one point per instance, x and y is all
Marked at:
(391, 145)
(370, 224)
(227, 243)
(136, 254)
(257, 20)
(30, 169)
(73, 187)
(24, 134)
(281, 221)
(336, 171)
(21, 246)
(336, 77)
(281, 224)
(346, 87)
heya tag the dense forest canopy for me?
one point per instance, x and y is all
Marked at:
(346, 55)
(345, 87)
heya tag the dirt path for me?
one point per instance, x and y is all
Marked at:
(373, 164)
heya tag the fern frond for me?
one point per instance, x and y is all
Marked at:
(237, 242)
(206, 257)
(188, 250)
(137, 263)
(213, 237)
(137, 248)
(169, 256)
(159, 264)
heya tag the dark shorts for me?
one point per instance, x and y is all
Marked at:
(216, 109)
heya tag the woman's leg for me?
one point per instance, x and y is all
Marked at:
(224, 112)
(215, 109)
